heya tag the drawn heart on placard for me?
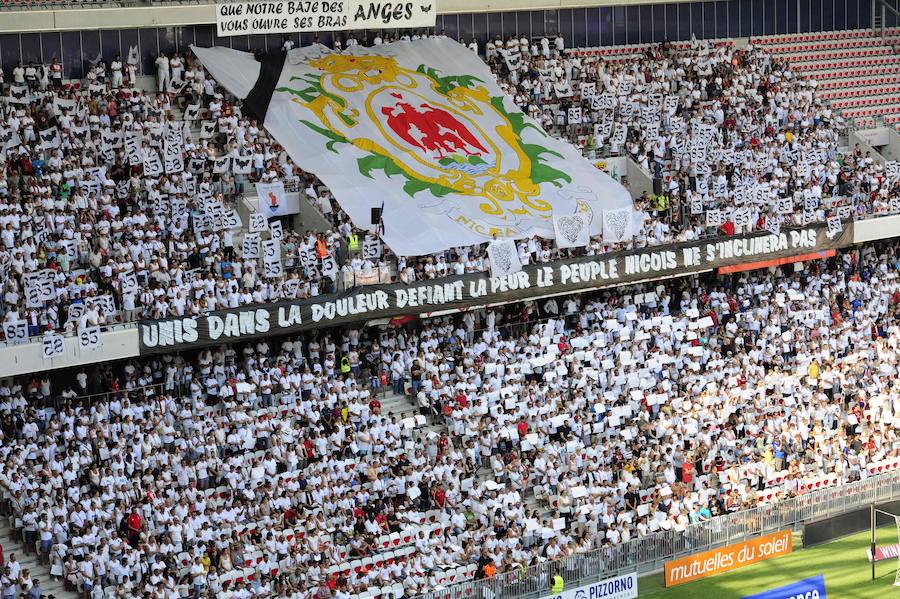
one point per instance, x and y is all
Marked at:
(615, 223)
(502, 258)
(571, 227)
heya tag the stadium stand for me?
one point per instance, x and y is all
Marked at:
(438, 470)
(176, 274)
(457, 448)
(857, 71)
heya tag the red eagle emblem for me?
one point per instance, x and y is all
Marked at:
(431, 129)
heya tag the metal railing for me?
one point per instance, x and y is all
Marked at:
(649, 554)
(86, 401)
(104, 328)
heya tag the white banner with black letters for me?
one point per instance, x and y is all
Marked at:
(53, 346)
(274, 16)
(90, 339)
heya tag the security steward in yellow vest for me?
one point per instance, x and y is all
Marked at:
(557, 584)
(353, 242)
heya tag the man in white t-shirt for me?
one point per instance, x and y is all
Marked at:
(162, 72)
(116, 68)
(198, 576)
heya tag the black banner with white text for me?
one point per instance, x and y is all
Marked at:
(462, 292)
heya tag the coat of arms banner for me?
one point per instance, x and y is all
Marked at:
(422, 129)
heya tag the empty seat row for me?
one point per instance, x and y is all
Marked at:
(849, 63)
(844, 73)
(812, 36)
(864, 112)
(847, 88)
(804, 56)
(887, 96)
(843, 44)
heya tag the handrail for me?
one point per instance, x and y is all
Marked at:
(86, 400)
(885, 7)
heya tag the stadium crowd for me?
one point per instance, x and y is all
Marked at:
(269, 469)
(133, 233)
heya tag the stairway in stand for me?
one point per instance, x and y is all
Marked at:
(30, 562)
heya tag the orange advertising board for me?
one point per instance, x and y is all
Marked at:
(730, 557)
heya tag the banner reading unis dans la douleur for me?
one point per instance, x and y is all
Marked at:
(478, 289)
(423, 129)
(279, 16)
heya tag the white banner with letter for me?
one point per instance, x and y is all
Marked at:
(273, 201)
(275, 16)
(620, 587)
(53, 346)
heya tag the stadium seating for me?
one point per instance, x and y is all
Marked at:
(856, 70)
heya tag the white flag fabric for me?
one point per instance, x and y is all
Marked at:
(571, 231)
(504, 257)
(617, 225)
(50, 138)
(423, 127)
(273, 201)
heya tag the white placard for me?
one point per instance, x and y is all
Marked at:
(16, 332)
(329, 267)
(242, 165)
(575, 115)
(53, 346)
(50, 138)
(504, 257)
(153, 166)
(834, 227)
(271, 249)
(571, 230)
(617, 225)
(90, 339)
(276, 230)
(232, 220)
(133, 147)
(258, 222)
(250, 247)
(129, 283)
(371, 248)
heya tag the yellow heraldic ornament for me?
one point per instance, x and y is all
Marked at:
(443, 134)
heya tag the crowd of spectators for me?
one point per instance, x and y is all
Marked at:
(545, 430)
(734, 140)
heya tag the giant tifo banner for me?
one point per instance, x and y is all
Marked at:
(478, 289)
(730, 557)
(282, 16)
(423, 130)
(808, 588)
